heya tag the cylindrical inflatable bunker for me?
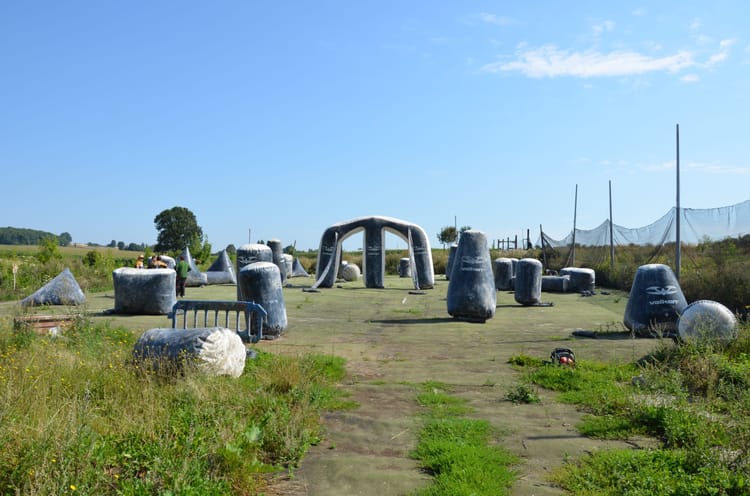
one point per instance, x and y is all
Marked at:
(581, 279)
(277, 257)
(502, 268)
(260, 282)
(528, 283)
(251, 253)
(144, 292)
(404, 267)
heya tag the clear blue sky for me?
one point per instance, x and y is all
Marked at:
(287, 117)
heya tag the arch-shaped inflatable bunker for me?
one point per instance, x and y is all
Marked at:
(373, 260)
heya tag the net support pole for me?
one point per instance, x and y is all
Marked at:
(677, 242)
(611, 233)
(575, 211)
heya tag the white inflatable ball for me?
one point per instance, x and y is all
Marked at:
(706, 319)
(350, 272)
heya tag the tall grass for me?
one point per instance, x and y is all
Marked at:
(77, 416)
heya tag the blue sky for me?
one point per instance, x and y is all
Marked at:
(278, 119)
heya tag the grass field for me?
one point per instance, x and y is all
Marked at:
(394, 344)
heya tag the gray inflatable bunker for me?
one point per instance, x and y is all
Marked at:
(449, 263)
(373, 260)
(144, 292)
(213, 350)
(195, 276)
(502, 270)
(298, 270)
(288, 261)
(707, 320)
(277, 257)
(471, 290)
(251, 253)
(260, 282)
(404, 267)
(528, 283)
(349, 272)
(62, 290)
(169, 261)
(655, 302)
(581, 279)
(221, 271)
(556, 284)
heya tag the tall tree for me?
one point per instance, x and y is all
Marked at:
(65, 239)
(447, 235)
(177, 228)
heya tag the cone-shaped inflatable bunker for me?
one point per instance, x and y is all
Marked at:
(707, 320)
(298, 270)
(261, 282)
(655, 302)
(471, 290)
(62, 290)
(195, 276)
(221, 271)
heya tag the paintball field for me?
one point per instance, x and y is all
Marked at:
(394, 341)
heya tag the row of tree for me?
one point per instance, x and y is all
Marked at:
(22, 236)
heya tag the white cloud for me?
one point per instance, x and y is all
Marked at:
(639, 12)
(696, 23)
(658, 167)
(602, 27)
(551, 61)
(722, 54)
(690, 78)
(711, 168)
(496, 19)
(714, 168)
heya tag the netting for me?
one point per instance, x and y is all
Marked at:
(696, 225)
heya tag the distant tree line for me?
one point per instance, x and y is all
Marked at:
(23, 236)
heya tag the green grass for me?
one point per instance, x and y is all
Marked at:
(77, 416)
(692, 398)
(458, 451)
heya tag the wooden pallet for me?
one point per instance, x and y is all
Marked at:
(43, 324)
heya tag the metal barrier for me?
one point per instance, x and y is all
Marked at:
(244, 308)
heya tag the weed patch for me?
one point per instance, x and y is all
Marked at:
(458, 451)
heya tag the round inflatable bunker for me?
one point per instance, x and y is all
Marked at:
(655, 302)
(707, 320)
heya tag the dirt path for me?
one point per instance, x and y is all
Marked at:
(395, 341)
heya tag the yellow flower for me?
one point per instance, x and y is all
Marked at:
(72, 487)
